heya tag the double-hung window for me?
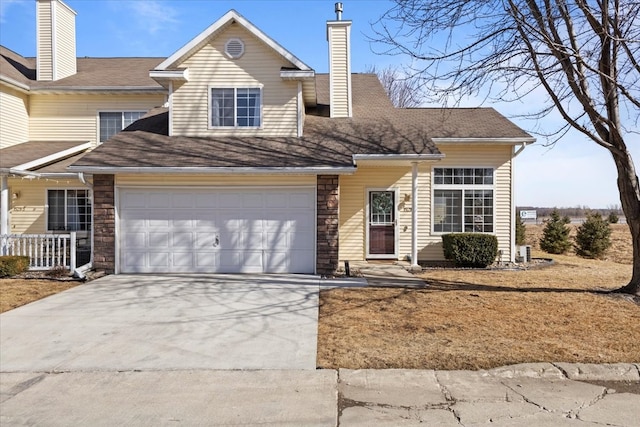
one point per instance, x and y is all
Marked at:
(463, 200)
(236, 107)
(68, 210)
(113, 122)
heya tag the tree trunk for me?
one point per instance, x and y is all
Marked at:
(630, 198)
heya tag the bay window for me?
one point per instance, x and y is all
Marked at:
(463, 200)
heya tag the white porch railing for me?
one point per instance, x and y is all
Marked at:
(45, 251)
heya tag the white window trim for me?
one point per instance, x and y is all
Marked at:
(235, 107)
(461, 187)
(98, 112)
(46, 208)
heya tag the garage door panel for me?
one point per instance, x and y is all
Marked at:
(158, 239)
(182, 240)
(234, 231)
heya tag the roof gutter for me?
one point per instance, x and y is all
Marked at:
(488, 141)
(396, 157)
(133, 89)
(16, 84)
(53, 157)
(216, 170)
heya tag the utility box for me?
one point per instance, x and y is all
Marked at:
(523, 253)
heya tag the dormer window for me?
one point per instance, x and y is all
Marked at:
(236, 107)
(234, 48)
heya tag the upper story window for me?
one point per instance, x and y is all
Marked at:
(113, 122)
(463, 200)
(68, 210)
(236, 107)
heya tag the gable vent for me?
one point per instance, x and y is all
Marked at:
(234, 48)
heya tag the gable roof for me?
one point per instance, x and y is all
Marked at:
(36, 154)
(376, 129)
(98, 74)
(228, 18)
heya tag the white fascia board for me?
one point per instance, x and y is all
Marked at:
(396, 157)
(213, 170)
(297, 74)
(487, 141)
(53, 157)
(21, 87)
(128, 89)
(232, 15)
(182, 75)
(60, 2)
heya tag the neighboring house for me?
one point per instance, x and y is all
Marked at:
(252, 162)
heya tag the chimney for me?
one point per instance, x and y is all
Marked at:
(56, 40)
(339, 37)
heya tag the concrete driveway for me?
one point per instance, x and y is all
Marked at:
(167, 322)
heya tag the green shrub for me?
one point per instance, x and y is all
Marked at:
(13, 265)
(470, 249)
(613, 218)
(521, 231)
(555, 235)
(593, 237)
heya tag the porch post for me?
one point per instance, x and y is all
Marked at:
(414, 214)
(4, 207)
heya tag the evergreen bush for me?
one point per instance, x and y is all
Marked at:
(476, 250)
(593, 237)
(13, 265)
(555, 235)
(521, 231)
(613, 218)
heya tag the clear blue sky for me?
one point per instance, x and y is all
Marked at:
(575, 172)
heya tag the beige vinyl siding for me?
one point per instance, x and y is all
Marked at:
(65, 42)
(75, 117)
(339, 70)
(353, 201)
(495, 156)
(353, 207)
(215, 180)
(14, 117)
(258, 67)
(44, 42)
(27, 213)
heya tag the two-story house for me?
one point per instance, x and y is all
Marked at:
(238, 157)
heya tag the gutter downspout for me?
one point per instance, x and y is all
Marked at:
(79, 272)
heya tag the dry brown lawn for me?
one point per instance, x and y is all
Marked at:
(17, 292)
(471, 319)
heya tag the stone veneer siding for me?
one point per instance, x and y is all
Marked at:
(104, 223)
(328, 200)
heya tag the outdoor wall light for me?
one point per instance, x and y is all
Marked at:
(15, 195)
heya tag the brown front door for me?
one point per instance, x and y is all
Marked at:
(382, 224)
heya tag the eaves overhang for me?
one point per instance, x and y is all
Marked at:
(320, 170)
(486, 141)
(52, 157)
(297, 74)
(395, 159)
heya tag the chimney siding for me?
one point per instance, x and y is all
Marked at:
(338, 35)
(56, 39)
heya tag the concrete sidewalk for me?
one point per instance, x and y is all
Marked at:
(523, 395)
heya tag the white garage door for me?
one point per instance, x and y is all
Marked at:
(238, 230)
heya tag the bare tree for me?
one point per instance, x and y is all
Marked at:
(403, 89)
(585, 55)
